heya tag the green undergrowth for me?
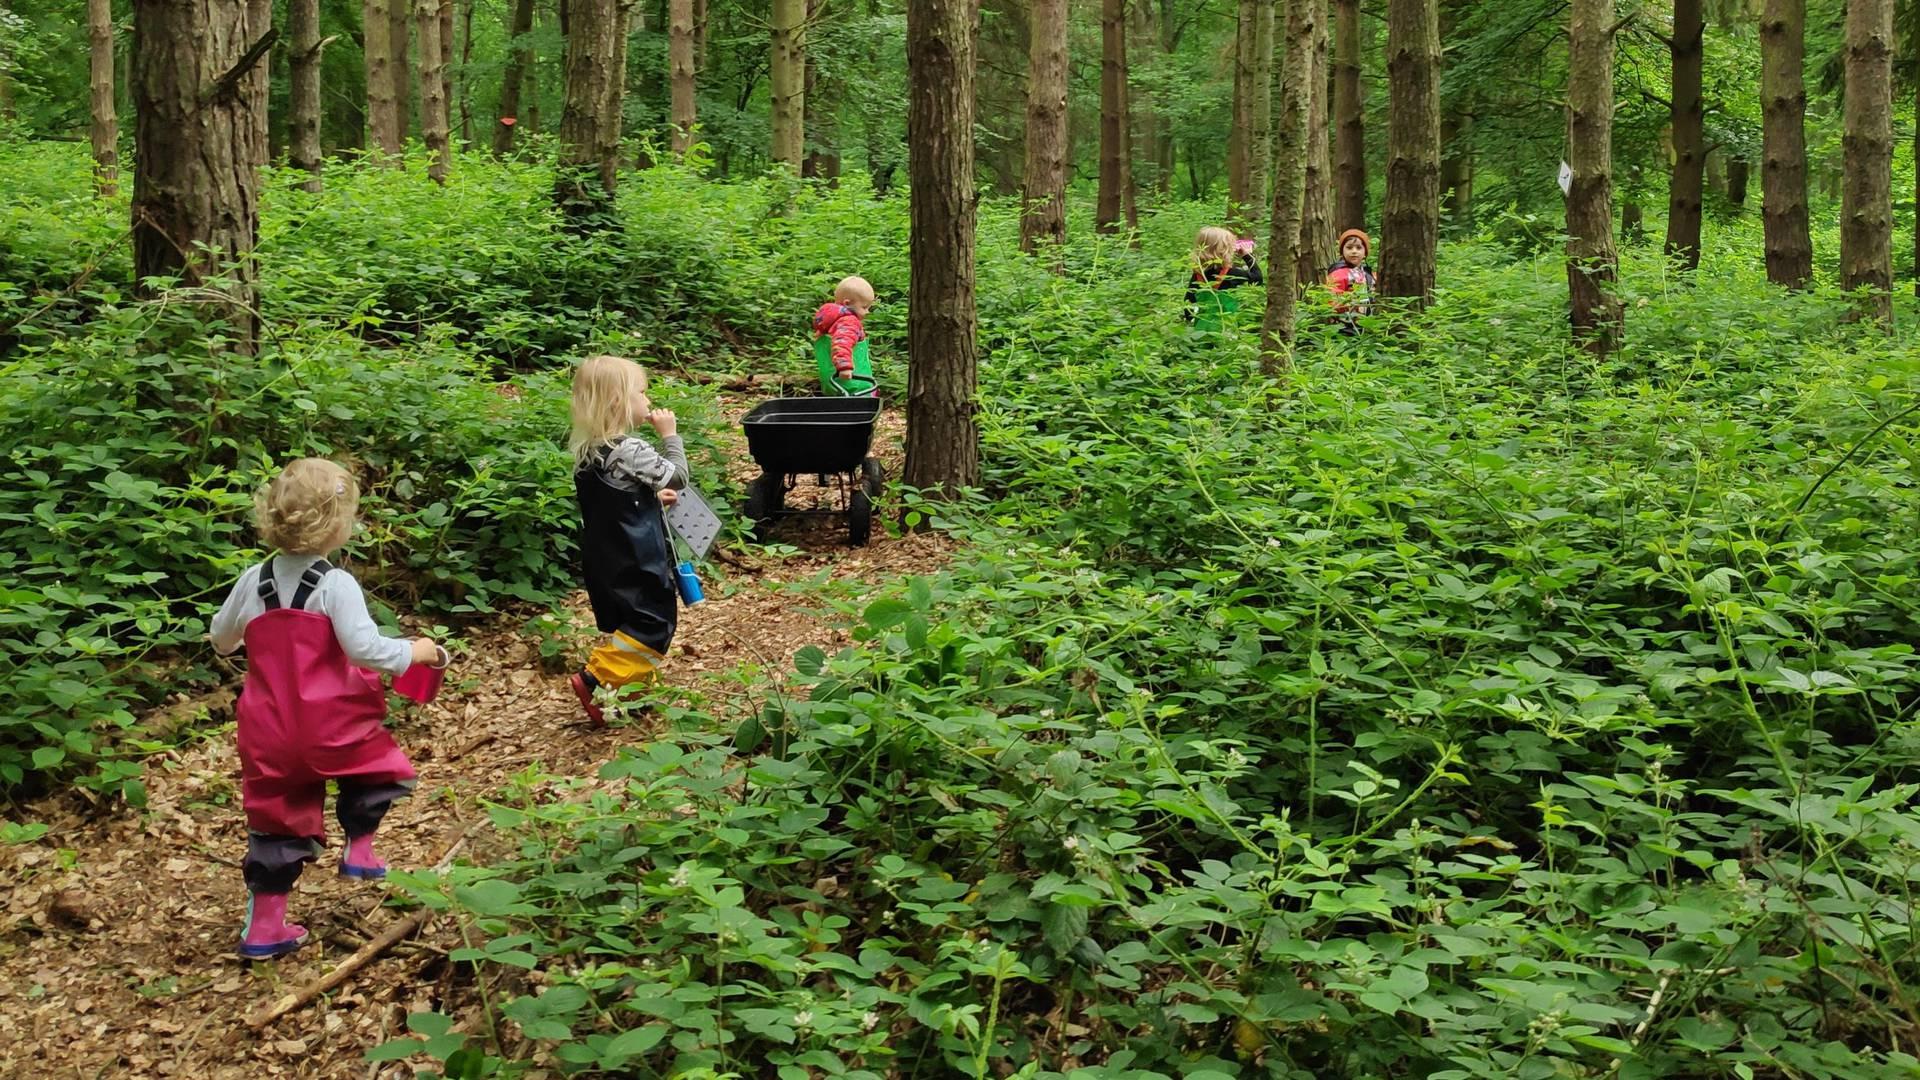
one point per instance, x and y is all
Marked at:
(1453, 707)
(1459, 709)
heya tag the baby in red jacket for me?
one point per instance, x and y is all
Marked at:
(840, 340)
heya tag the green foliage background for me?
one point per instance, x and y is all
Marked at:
(1434, 715)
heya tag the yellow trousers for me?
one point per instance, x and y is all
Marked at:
(623, 661)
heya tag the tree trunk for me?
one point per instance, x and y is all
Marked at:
(680, 69)
(1044, 198)
(1866, 200)
(1240, 130)
(1456, 134)
(106, 126)
(1260, 143)
(1633, 223)
(788, 76)
(1410, 221)
(199, 138)
(613, 117)
(1289, 186)
(1689, 136)
(1592, 263)
(303, 90)
(699, 37)
(1146, 108)
(1783, 166)
(507, 116)
(586, 174)
(1349, 121)
(1116, 164)
(531, 109)
(399, 19)
(433, 91)
(1739, 170)
(823, 93)
(943, 437)
(446, 60)
(1316, 208)
(466, 77)
(383, 136)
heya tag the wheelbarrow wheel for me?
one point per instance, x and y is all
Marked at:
(765, 496)
(859, 517)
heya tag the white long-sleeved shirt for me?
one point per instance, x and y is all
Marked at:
(338, 597)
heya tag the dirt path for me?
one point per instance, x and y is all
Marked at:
(117, 931)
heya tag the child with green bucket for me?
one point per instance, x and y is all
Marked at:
(840, 341)
(1221, 263)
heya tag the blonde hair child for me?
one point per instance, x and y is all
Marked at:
(308, 713)
(1220, 262)
(623, 483)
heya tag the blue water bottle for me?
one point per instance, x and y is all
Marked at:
(689, 583)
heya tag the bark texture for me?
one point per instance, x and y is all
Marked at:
(1260, 144)
(1592, 262)
(435, 128)
(507, 118)
(399, 30)
(199, 138)
(1043, 217)
(1456, 131)
(1240, 131)
(1317, 233)
(788, 77)
(943, 437)
(1289, 187)
(1866, 197)
(680, 74)
(1349, 121)
(586, 174)
(303, 89)
(105, 128)
(1783, 164)
(1689, 135)
(1410, 220)
(383, 135)
(1116, 150)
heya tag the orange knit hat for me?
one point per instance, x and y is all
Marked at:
(1361, 233)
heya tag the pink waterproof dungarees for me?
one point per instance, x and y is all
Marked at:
(307, 715)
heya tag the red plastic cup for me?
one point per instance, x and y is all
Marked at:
(421, 682)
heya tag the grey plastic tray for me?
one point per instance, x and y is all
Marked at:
(693, 521)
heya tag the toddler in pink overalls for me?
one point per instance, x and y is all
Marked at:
(312, 708)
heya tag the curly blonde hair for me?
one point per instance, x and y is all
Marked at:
(603, 389)
(1213, 244)
(308, 509)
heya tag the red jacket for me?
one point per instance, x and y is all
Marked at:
(1343, 278)
(839, 321)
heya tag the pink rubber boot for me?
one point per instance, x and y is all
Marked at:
(360, 861)
(268, 932)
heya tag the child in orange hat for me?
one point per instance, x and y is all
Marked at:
(1352, 278)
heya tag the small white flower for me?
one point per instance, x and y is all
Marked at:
(803, 1018)
(1046, 714)
(870, 1021)
(1235, 759)
(681, 876)
(1495, 321)
(1071, 843)
(1273, 541)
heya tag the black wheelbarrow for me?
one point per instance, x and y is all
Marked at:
(824, 437)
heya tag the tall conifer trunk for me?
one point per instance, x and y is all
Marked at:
(1116, 165)
(507, 118)
(1592, 263)
(303, 89)
(586, 174)
(1289, 186)
(1316, 208)
(200, 101)
(399, 23)
(1783, 165)
(434, 128)
(788, 77)
(106, 125)
(1043, 217)
(1260, 143)
(1689, 135)
(1866, 199)
(680, 74)
(383, 136)
(943, 435)
(1349, 120)
(1240, 121)
(1410, 221)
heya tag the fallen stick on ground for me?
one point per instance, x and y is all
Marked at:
(287, 1003)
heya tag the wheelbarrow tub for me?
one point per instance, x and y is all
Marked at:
(787, 436)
